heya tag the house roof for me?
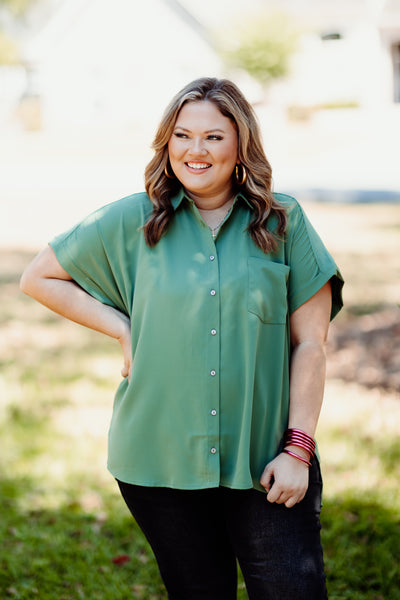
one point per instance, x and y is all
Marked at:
(318, 14)
(102, 61)
(49, 23)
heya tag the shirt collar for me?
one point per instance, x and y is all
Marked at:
(177, 199)
(241, 196)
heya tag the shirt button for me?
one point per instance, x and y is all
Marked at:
(213, 373)
(213, 412)
(213, 292)
(213, 450)
(213, 332)
(212, 257)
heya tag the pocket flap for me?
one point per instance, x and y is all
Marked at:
(267, 294)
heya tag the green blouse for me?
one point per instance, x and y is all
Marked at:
(209, 394)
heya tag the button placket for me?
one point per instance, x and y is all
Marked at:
(214, 366)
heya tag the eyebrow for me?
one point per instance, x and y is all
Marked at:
(208, 131)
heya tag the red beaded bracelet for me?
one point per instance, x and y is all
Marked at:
(304, 460)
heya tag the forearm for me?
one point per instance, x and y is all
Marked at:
(286, 477)
(307, 379)
(68, 299)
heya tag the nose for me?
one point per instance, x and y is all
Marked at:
(197, 147)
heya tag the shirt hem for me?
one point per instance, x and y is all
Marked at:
(176, 485)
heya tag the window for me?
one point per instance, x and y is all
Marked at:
(331, 35)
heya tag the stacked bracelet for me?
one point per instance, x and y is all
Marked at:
(304, 460)
(297, 437)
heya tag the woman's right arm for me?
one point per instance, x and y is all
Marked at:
(46, 281)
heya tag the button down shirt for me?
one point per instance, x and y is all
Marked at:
(208, 398)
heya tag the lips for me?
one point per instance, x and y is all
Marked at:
(198, 166)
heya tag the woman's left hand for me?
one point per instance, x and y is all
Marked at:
(126, 345)
(290, 480)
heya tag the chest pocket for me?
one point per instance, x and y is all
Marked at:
(267, 290)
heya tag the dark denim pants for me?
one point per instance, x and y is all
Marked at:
(197, 535)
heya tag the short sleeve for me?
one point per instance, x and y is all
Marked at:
(82, 252)
(311, 265)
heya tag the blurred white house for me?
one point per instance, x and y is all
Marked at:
(99, 62)
(95, 62)
(98, 73)
(349, 52)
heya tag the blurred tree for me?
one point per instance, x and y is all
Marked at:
(10, 12)
(261, 45)
(17, 7)
(9, 54)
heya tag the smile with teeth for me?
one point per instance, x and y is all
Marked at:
(198, 166)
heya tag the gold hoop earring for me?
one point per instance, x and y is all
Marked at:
(166, 172)
(240, 181)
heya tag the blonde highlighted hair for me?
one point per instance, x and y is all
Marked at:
(258, 185)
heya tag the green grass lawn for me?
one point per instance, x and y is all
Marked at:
(65, 532)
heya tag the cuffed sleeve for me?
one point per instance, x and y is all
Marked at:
(90, 253)
(311, 265)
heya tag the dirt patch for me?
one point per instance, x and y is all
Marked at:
(366, 349)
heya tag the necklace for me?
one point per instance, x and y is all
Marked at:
(214, 230)
(206, 214)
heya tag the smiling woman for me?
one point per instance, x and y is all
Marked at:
(252, 172)
(220, 295)
(203, 152)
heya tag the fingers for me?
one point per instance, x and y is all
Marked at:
(285, 481)
(288, 498)
(267, 478)
(126, 346)
(275, 495)
(292, 501)
(126, 372)
(127, 369)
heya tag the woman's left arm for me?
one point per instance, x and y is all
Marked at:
(308, 329)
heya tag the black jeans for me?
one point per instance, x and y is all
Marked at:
(197, 535)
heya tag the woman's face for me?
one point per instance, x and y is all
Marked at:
(203, 151)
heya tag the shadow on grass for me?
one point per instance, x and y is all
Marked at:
(361, 539)
(68, 553)
(373, 449)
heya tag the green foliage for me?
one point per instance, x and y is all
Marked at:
(361, 540)
(262, 46)
(69, 553)
(9, 53)
(15, 9)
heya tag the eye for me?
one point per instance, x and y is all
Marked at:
(180, 135)
(214, 137)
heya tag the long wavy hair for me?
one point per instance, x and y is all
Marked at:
(258, 186)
